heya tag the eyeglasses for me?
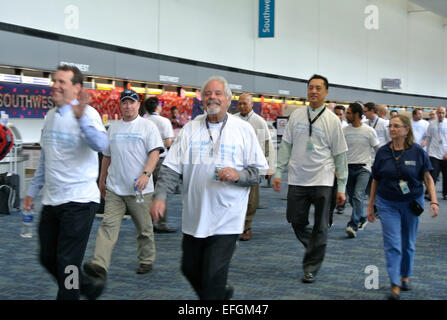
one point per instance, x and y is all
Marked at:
(396, 126)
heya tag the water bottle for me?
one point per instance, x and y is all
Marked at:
(138, 194)
(27, 224)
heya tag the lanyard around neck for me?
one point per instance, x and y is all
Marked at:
(396, 160)
(315, 119)
(220, 134)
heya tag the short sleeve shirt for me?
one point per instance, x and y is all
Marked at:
(130, 143)
(212, 207)
(413, 164)
(313, 167)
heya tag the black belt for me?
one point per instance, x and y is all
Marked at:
(356, 165)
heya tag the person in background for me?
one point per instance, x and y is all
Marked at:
(127, 166)
(436, 141)
(258, 123)
(382, 111)
(399, 171)
(393, 113)
(164, 126)
(377, 123)
(219, 157)
(361, 139)
(432, 115)
(340, 111)
(72, 136)
(419, 127)
(331, 106)
(313, 147)
(176, 120)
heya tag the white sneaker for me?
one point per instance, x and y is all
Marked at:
(351, 232)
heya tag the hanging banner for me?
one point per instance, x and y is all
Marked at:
(266, 18)
(25, 100)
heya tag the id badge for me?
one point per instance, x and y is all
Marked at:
(404, 187)
(310, 145)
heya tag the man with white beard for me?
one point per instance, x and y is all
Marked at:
(219, 157)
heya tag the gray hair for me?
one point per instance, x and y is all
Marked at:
(222, 80)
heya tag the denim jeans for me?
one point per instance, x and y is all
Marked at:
(356, 187)
(399, 226)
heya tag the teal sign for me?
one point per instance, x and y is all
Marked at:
(266, 18)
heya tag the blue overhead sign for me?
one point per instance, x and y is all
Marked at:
(266, 18)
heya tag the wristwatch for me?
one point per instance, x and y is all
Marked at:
(147, 173)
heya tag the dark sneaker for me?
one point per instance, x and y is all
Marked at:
(339, 210)
(362, 225)
(144, 268)
(351, 232)
(95, 271)
(308, 277)
(164, 229)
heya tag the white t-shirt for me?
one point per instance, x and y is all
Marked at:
(437, 133)
(263, 134)
(213, 207)
(360, 140)
(344, 124)
(129, 146)
(381, 127)
(313, 167)
(71, 166)
(164, 127)
(419, 129)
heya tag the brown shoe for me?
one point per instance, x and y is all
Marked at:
(144, 268)
(245, 236)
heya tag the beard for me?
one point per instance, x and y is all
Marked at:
(213, 107)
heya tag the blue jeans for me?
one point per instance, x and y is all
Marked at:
(399, 227)
(357, 181)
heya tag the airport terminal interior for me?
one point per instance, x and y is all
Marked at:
(391, 53)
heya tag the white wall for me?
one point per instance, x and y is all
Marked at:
(311, 36)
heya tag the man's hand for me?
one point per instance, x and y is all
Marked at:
(83, 99)
(142, 182)
(102, 189)
(28, 203)
(228, 174)
(276, 184)
(157, 210)
(341, 198)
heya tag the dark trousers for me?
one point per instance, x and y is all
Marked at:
(299, 200)
(439, 166)
(205, 263)
(63, 234)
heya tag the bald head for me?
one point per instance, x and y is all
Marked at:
(440, 112)
(245, 104)
(331, 106)
(382, 110)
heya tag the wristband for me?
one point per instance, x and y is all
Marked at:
(436, 204)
